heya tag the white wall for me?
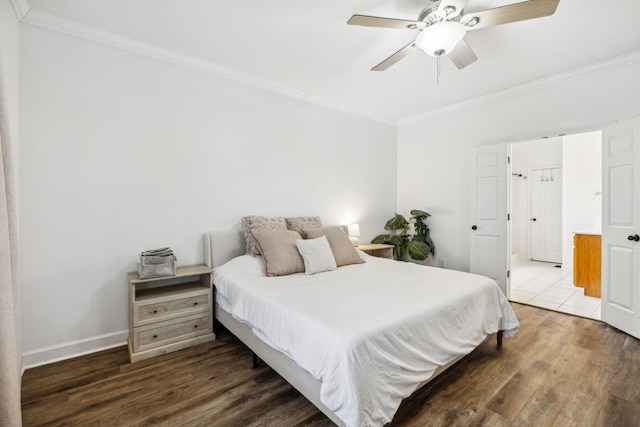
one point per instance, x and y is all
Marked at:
(581, 188)
(525, 156)
(122, 153)
(435, 153)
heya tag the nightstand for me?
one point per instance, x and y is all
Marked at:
(170, 313)
(377, 249)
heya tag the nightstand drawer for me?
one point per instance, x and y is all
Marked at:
(149, 313)
(159, 334)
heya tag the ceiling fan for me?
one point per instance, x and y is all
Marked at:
(443, 24)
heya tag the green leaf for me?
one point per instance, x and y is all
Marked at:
(432, 246)
(418, 250)
(382, 238)
(398, 222)
(398, 240)
(418, 214)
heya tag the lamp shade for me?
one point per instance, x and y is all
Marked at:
(354, 233)
(440, 39)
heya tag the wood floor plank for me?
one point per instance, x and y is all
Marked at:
(568, 368)
(626, 380)
(603, 343)
(586, 399)
(542, 409)
(488, 418)
(558, 371)
(515, 394)
(631, 344)
(545, 405)
(619, 412)
(564, 422)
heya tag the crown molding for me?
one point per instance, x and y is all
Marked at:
(73, 28)
(535, 85)
(21, 7)
(69, 27)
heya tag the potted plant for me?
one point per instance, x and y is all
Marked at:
(419, 246)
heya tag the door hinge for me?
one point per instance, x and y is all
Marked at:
(508, 217)
(508, 273)
(508, 160)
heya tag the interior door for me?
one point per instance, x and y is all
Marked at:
(621, 226)
(546, 214)
(490, 240)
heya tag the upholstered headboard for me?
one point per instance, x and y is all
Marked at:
(222, 246)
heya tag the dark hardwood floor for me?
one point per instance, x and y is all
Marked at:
(559, 370)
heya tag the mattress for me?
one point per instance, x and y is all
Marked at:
(371, 332)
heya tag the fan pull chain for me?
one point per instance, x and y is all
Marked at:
(439, 54)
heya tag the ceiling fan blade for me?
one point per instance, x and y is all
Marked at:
(379, 22)
(462, 55)
(395, 57)
(511, 13)
(457, 5)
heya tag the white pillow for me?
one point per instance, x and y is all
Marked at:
(317, 255)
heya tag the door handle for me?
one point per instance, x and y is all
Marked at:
(635, 238)
(474, 227)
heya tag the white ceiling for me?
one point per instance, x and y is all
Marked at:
(307, 47)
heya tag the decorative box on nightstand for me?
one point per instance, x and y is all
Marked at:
(169, 313)
(377, 249)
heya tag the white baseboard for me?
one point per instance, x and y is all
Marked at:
(55, 353)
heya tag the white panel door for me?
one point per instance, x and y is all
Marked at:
(546, 214)
(621, 226)
(489, 228)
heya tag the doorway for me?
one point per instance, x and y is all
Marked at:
(555, 192)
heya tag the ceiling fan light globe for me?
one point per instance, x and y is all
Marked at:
(440, 37)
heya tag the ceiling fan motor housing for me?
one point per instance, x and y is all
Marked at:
(440, 35)
(431, 14)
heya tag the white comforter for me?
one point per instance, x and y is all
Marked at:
(372, 332)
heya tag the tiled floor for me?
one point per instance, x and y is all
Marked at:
(544, 285)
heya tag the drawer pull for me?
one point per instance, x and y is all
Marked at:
(195, 326)
(154, 312)
(155, 336)
(195, 303)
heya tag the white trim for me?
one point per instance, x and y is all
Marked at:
(552, 133)
(21, 7)
(55, 353)
(535, 85)
(86, 32)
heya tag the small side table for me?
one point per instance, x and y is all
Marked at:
(380, 250)
(170, 313)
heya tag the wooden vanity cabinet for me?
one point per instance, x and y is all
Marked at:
(587, 249)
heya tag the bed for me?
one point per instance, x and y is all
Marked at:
(356, 356)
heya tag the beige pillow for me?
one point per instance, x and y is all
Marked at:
(279, 250)
(299, 223)
(253, 222)
(341, 246)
